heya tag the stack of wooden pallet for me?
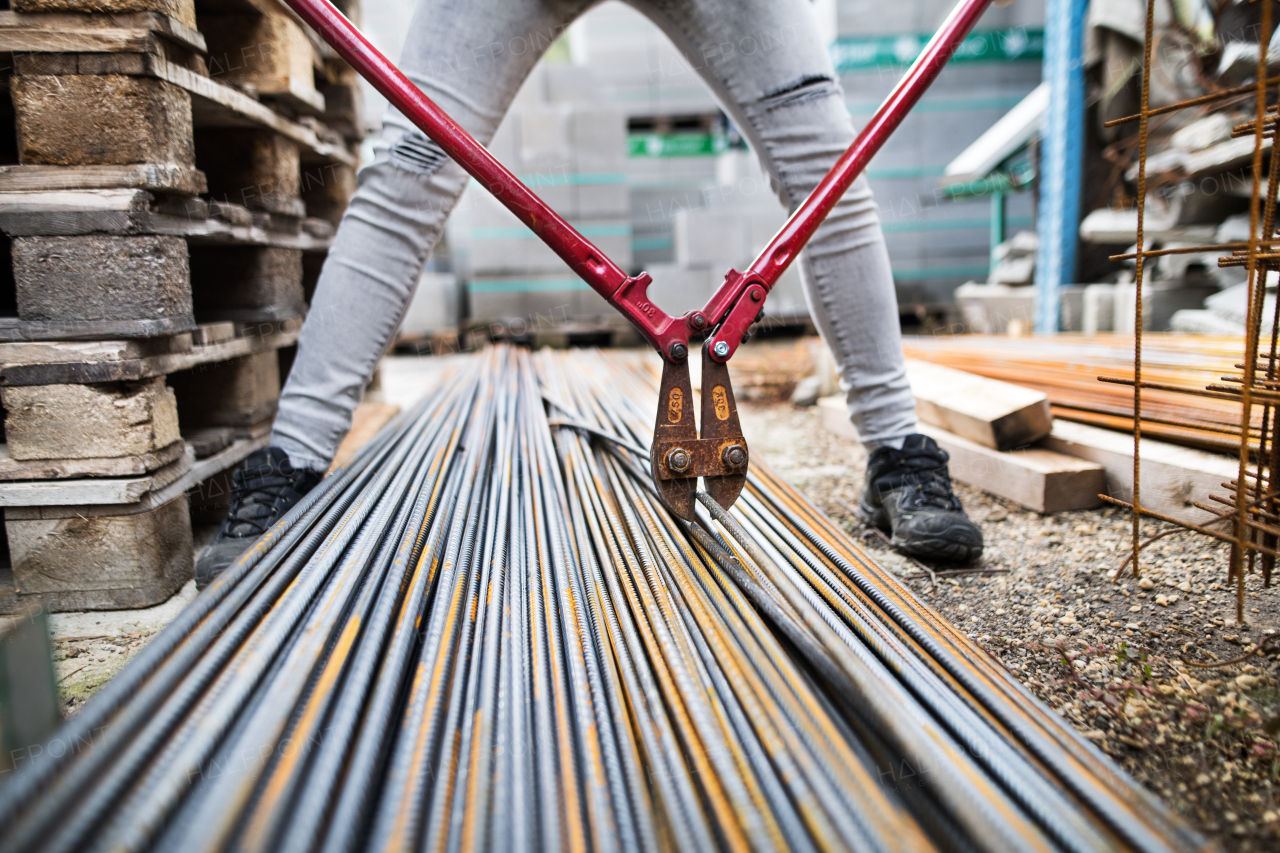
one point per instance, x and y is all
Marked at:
(171, 173)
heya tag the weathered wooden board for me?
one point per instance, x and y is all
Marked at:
(101, 562)
(46, 31)
(158, 177)
(199, 473)
(1041, 480)
(93, 490)
(992, 413)
(90, 421)
(1172, 476)
(39, 363)
(69, 213)
(65, 469)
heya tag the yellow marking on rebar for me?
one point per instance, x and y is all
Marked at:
(473, 781)
(285, 769)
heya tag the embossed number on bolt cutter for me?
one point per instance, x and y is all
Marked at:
(721, 398)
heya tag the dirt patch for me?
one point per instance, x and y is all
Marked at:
(85, 663)
(1111, 658)
(90, 647)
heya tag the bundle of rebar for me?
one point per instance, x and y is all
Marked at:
(486, 632)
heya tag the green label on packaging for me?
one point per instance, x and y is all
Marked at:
(859, 54)
(676, 144)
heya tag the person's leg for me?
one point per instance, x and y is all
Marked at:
(766, 62)
(470, 58)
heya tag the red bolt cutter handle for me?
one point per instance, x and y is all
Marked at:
(739, 301)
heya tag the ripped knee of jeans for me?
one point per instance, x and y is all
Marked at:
(806, 88)
(414, 152)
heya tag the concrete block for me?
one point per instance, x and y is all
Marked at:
(761, 225)
(514, 305)
(496, 254)
(89, 120)
(677, 290)
(101, 277)
(599, 139)
(707, 238)
(106, 420)
(246, 283)
(103, 562)
(1098, 310)
(434, 306)
(544, 138)
(990, 308)
(241, 392)
(600, 198)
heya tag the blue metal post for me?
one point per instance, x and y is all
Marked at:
(1061, 157)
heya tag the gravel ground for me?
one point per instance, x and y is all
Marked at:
(1111, 658)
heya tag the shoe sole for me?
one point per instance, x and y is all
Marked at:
(939, 548)
(934, 547)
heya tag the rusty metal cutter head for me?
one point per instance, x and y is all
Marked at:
(679, 456)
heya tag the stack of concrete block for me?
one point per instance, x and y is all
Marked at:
(175, 175)
(573, 156)
(719, 238)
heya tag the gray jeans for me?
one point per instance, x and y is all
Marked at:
(786, 100)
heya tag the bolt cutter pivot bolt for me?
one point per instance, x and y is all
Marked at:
(721, 349)
(678, 460)
(679, 352)
(733, 455)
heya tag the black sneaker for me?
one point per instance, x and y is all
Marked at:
(264, 488)
(908, 492)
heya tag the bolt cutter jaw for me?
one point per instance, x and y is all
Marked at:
(680, 456)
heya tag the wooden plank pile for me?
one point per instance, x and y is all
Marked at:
(1002, 439)
(1067, 367)
(171, 173)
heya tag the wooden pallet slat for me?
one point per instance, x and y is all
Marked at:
(131, 211)
(125, 361)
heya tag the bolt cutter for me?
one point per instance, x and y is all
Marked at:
(679, 454)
